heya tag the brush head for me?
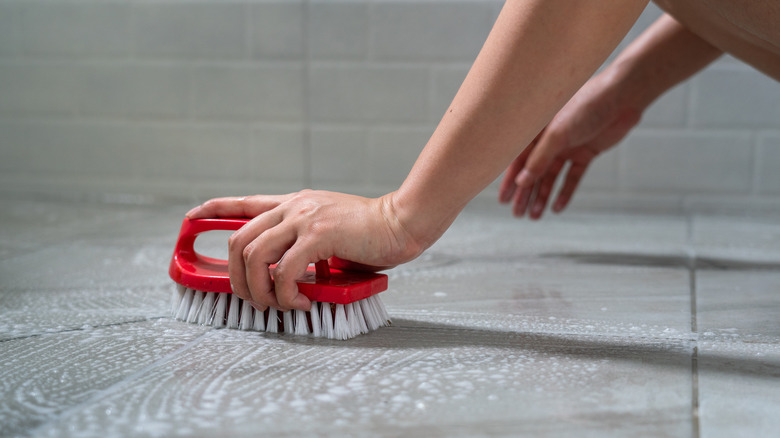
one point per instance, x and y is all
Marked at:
(344, 302)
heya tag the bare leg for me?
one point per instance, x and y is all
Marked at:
(747, 29)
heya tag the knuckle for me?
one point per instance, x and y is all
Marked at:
(247, 252)
(234, 243)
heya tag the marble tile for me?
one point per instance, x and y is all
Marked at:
(421, 378)
(28, 313)
(44, 377)
(739, 305)
(738, 241)
(739, 383)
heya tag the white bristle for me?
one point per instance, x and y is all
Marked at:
(327, 321)
(178, 295)
(379, 308)
(197, 302)
(316, 325)
(352, 319)
(206, 314)
(369, 316)
(333, 321)
(234, 312)
(247, 316)
(259, 323)
(340, 324)
(301, 323)
(287, 318)
(219, 311)
(184, 306)
(272, 325)
(361, 319)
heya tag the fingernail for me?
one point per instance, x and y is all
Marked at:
(193, 211)
(558, 206)
(524, 179)
(537, 208)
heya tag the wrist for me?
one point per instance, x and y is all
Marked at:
(415, 227)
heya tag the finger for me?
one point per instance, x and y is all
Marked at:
(550, 145)
(521, 199)
(245, 206)
(573, 178)
(508, 186)
(238, 243)
(545, 188)
(266, 249)
(292, 267)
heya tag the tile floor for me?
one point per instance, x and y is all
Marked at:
(586, 324)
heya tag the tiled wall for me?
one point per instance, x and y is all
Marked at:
(205, 97)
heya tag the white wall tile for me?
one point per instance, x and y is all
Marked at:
(358, 92)
(132, 90)
(31, 88)
(14, 153)
(277, 29)
(75, 28)
(338, 29)
(277, 155)
(190, 30)
(768, 177)
(10, 15)
(685, 161)
(735, 98)
(392, 153)
(429, 31)
(265, 92)
(669, 110)
(602, 173)
(338, 155)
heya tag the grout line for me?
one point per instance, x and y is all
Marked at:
(307, 129)
(80, 329)
(696, 424)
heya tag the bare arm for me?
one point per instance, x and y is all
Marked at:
(536, 57)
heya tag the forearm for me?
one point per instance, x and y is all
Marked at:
(536, 57)
(663, 56)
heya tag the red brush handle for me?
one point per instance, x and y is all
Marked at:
(197, 271)
(207, 274)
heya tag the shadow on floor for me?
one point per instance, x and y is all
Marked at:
(663, 260)
(651, 351)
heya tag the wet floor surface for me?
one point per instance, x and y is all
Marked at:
(587, 324)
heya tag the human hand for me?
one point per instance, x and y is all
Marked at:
(595, 119)
(301, 228)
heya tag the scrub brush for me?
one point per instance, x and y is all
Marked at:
(343, 304)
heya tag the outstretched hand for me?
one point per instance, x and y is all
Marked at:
(297, 229)
(590, 123)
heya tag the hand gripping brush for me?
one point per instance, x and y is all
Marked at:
(343, 304)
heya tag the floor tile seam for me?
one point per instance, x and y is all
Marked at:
(116, 386)
(82, 328)
(692, 267)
